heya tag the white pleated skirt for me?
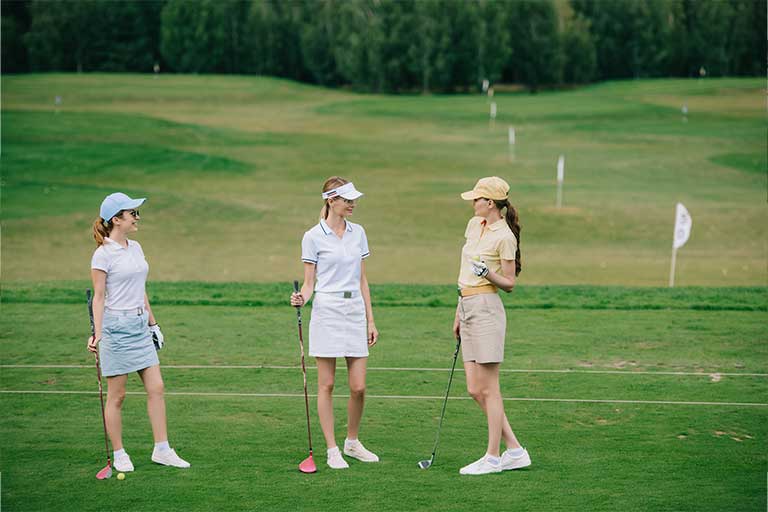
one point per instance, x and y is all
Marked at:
(338, 327)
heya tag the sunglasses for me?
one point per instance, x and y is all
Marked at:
(133, 213)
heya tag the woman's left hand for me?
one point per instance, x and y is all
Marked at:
(373, 334)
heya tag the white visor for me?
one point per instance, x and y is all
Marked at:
(347, 191)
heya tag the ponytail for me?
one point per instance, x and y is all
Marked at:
(324, 211)
(101, 230)
(513, 221)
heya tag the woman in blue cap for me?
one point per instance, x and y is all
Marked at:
(127, 336)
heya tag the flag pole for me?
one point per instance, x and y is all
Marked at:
(672, 269)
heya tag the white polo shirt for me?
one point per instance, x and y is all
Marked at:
(338, 260)
(126, 271)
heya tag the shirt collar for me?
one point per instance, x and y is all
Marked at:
(115, 244)
(327, 230)
(495, 226)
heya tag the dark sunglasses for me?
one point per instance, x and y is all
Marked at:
(133, 213)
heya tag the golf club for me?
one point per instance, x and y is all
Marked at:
(425, 464)
(106, 472)
(308, 464)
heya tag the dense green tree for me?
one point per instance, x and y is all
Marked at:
(535, 41)
(15, 23)
(391, 45)
(275, 38)
(93, 36)
(579, 53)
(206, 36)
(493, 38)
(319, 35)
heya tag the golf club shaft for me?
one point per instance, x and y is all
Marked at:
(447, 392)
(303, 368)
(98, 375)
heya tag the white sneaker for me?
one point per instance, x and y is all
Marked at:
(335, 460)
(123, 464)
(481, 467)
(510, 462)
(355, 449)
(169, 458)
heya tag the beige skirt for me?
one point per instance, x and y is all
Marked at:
(482, 325)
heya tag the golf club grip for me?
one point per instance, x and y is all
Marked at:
(296, 286)
(89, 297)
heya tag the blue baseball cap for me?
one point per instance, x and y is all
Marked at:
(114, 203)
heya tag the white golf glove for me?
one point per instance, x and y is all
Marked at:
(157, 336)
(479, 268)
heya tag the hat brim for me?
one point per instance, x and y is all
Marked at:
(352, 195)
(470, 195)
(129, 205)
(135, 203)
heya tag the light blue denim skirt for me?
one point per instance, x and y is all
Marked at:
(126, 344)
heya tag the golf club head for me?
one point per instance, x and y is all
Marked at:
(425, 464)
(104, 473)
(308, 465)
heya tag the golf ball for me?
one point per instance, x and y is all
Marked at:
(121, 476)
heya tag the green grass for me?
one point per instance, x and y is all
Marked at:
(233, 165)
(638, 344)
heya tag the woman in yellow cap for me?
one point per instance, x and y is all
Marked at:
(490, 260)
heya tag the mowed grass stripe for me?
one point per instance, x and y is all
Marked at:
(393, 397)
(408, 295)
(554, 386)
(378, 369)
(417, 337)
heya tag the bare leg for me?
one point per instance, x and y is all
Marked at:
(476, 383)
(112, 411)
(326, 371)
(356, 367)
(153, 384)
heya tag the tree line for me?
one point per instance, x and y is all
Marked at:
(392, 45)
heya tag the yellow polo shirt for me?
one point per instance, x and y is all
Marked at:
(492, 243)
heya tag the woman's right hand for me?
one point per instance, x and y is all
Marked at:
(297, 299)
(92, 342)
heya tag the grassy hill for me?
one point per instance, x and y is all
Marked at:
(233, 166)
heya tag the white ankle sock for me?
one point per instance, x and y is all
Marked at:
(162, 446)
(492, 459)
(515, 452)
(333, 450)
(119, 453)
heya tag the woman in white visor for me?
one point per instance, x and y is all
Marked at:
(125, 327)
(341, 324)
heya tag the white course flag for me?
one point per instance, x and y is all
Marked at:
(511, 135)
(493, 110)
(683, 225)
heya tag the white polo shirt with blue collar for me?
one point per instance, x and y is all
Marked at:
(338, 260)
